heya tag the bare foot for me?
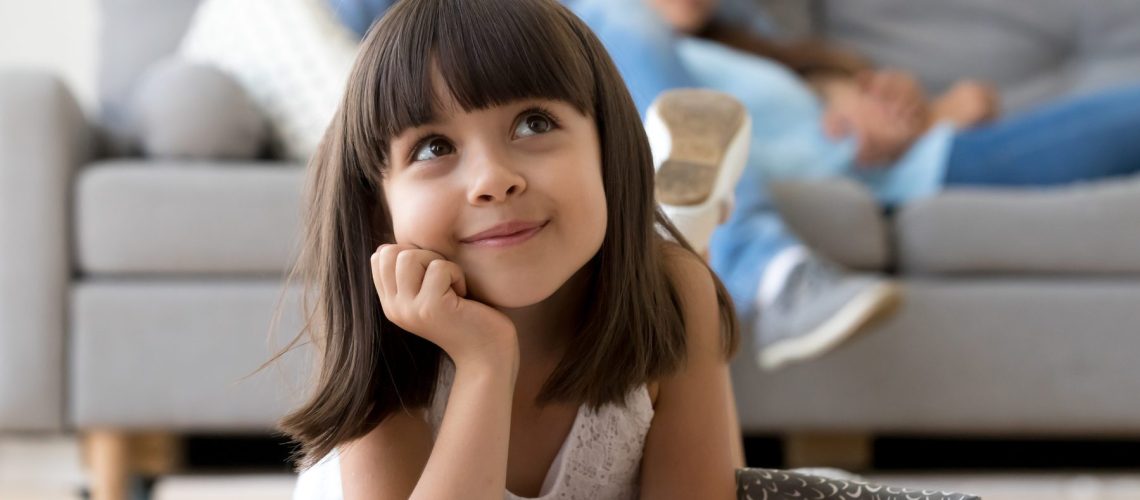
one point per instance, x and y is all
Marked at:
(966, 104)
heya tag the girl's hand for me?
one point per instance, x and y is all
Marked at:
(423, 293)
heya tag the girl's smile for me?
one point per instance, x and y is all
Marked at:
(506, 234)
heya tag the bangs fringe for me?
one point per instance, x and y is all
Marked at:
(488, 53)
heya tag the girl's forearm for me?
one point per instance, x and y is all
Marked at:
(469, 458)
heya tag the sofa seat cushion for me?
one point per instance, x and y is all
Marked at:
(183, 355)
(1085, 228)
(142, 217)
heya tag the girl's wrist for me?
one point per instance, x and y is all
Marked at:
(493, 358)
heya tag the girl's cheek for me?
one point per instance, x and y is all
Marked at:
(422, 219)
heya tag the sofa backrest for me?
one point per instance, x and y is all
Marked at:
(1033, 50)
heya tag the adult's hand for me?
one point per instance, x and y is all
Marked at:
(882, 135)
(898, 90)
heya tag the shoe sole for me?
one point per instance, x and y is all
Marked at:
(854, 317)
(701, 125)
(705, 134)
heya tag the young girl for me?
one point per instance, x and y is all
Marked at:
(497, 311)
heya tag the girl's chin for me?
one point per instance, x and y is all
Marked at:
(510, 294)
(510, 298)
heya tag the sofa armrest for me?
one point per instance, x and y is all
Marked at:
(44, 138)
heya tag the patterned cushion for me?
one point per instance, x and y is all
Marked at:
(772, 484)
(291, 56)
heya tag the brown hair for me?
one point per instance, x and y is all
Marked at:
(489, 52)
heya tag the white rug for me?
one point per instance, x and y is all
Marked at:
(243, 487)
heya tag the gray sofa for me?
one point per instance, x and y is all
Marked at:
(135, 294)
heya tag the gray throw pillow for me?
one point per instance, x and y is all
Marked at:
(183, 109)
(774, 484)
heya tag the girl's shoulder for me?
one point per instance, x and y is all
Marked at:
(696, 289)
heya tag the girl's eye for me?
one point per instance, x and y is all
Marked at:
(432, 149)
(534, 123)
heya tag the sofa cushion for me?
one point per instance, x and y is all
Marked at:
(134, 35)
(139, 217)
(191, 110)
(291, 56)
(175, 355)
(1026, 356)
(837, 217)
(1084, 228)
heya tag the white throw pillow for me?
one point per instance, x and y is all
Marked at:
(291, 56)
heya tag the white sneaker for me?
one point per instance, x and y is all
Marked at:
(700, 141)
(809, 306)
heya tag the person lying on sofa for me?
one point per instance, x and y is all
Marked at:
(819, 111)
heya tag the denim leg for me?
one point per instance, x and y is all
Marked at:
(741, 248)
(1078, 139)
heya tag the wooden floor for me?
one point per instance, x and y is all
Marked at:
(49, 468)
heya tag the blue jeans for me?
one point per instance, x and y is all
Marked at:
(1077, 139)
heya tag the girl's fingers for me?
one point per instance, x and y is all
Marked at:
(410, 268)
(385, 269)
(374, 261)
(442, 276)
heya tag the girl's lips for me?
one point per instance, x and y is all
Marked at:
(507, 239)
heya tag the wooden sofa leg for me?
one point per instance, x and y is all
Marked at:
(851, 452)
(108, 459)
(156, 453)
(115, 456)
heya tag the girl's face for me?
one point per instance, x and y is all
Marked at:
(528, 171)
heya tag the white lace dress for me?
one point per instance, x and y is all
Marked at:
(599, 460)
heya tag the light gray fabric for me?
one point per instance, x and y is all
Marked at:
(1109, 48)
(134, 34)
(838, 218)
(137, 217)
(1080, 229)
(192, 110)
(1034, 50)
(172, 355)
(44, 137)
(968, 357)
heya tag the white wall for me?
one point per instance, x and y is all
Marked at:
(56, 35)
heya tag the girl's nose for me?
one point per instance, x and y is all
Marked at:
(494, 182)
